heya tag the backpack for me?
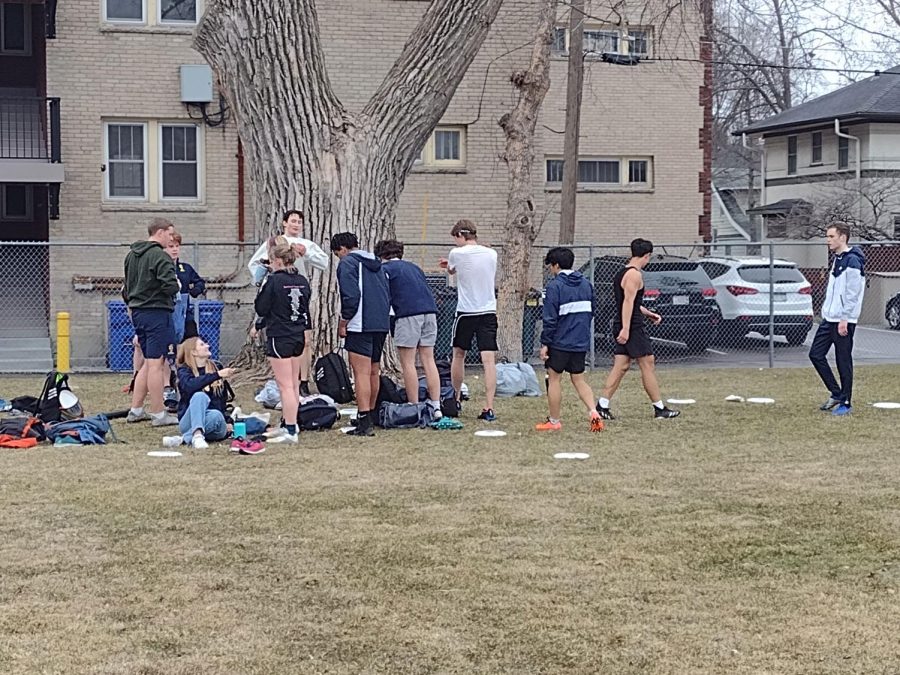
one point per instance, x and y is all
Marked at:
(23, 427)
(333, 379)
(48, 402)
(390, 392)
(316, 414)
(516, 379)
(404, 415)
(88, 431)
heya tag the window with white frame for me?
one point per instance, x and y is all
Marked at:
(178, 11)
(130, 11)
(16, 202)
(446, 147)
(179, 165)
(599, 39)
(792, 155)
(639, 42)
(15, 28)
(843, 152)
(605, 172)
(126, 161)
(816, 140)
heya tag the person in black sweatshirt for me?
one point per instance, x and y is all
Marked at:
(282, 306)
(201, 407)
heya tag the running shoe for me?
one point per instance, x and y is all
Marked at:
(286, 438)
(247, 447)
(132, 418)
(830, 403)
(596, 421)
(172, 441)
(841, 410)
(665, 413)
(487, 414)
(164, 420)
(549, 425)
(604, 413)
(199, 443)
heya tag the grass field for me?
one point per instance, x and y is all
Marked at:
(736, 539)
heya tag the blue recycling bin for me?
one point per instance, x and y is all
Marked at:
(210, 325)
(120, 350)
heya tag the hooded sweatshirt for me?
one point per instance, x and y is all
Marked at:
(846, 287)
(410, 293)
(315, 258)
(150, 278)
(568, 309)
(365, 294)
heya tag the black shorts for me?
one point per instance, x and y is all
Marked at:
(560, 361)
(638, 344)
(155, 330)
(284, 347)
(367, 344)
(483, 327)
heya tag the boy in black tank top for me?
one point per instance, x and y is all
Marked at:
(632, 341)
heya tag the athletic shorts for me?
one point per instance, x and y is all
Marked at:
(284, 347)
(483, 327)
(416, 331)
(155, 331)
(638, 344)
(560, 361)
(367, 344)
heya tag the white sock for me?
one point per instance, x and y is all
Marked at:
(137, 411)
(603, 402)
(658, 405)
(553, 421)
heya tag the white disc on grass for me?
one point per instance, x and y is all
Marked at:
(760, 399)
(681, 401)
(571, 455)
(734, 399)
(348, 412)
(163, 453)
(886, 405)
(490, 433)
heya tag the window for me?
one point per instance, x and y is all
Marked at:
(792, 155)
(125, 10)
(781, 274)
(619, 172)
(126, 151)
(639, 42)
(714, 270)
(16, 202)
(599, 39)
(598, 42)
(843, 152)
(179, 166)
(15, 28)
(445, 149)
(896, 226)
(559, 41)
(816, 147)
(178, 11)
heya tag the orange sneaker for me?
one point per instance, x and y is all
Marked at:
(596, 422)
(548, 426)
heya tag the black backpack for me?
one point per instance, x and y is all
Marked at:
(316, 415)
(389, 391)
(23, 427)
(46, 406)
(332, 378)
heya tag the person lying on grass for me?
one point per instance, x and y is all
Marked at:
(201, 383)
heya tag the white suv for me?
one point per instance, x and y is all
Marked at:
(742, 286)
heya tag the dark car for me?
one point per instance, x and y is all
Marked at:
(675, 288)
(892, 312)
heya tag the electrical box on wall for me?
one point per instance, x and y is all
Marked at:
(196, 84)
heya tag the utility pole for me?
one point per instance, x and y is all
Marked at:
(574, 87)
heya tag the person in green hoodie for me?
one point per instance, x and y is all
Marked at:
(151, 285)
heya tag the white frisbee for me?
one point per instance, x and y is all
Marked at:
(490, 433)
(571, 455)
(163, 453)
(348, 412)
(681, 401)
(734, 399)
(886, 405)
(760, 399)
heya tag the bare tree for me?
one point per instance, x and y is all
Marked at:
(347, 169)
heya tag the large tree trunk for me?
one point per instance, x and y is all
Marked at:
(304, 149)
(521, 227)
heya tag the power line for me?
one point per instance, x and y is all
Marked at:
(773, 66)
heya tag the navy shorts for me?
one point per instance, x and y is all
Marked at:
(155, 331)
(368, 344)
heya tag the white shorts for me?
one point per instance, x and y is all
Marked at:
(416, 331)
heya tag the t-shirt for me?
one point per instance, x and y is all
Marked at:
(476, 268)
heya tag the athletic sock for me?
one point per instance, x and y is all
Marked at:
(137, 411)
(603, 402)
(291, 429)
(659, 405)
(553, 420)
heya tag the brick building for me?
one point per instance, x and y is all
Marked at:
(112, 144)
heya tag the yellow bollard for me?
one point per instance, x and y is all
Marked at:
(63, 346)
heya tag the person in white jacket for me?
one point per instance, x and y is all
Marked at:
(310, 256)
(840, 312)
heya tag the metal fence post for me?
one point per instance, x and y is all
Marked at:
(771, 304)
(593, 328)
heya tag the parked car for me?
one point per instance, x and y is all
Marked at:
(892, 312)
(743, 297)
(675, 288)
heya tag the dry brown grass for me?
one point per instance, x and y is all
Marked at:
(737, 539)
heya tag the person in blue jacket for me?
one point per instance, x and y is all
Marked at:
(201, 384)
(192, 286)
(566, 335)
(364, 322)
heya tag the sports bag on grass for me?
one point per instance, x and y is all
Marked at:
(23, 427)
(333, 379)
(390, 392)
(516, 379)
(87, 431)
(316, 414)
(404, 415)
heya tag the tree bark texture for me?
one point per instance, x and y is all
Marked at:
(521, 228)
(574, 93)
(304, 149)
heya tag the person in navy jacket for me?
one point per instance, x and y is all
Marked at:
(201, 385)
(192, 286)
(566, 335)
(364, 323)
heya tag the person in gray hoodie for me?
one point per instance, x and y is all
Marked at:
(840, 312)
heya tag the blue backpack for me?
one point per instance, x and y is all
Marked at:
(87, 431)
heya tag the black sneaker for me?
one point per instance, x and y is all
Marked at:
(604, 413)
(665, 413)
(304, 388)
(487, 414)
(363, 427)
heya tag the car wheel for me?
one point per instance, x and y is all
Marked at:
(893, 316)
(796, 336)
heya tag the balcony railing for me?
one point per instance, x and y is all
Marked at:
(30, 129)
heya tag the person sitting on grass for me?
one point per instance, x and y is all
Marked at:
(201, 384)
(566, 335)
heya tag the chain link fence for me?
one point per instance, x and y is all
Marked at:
(747, 305)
